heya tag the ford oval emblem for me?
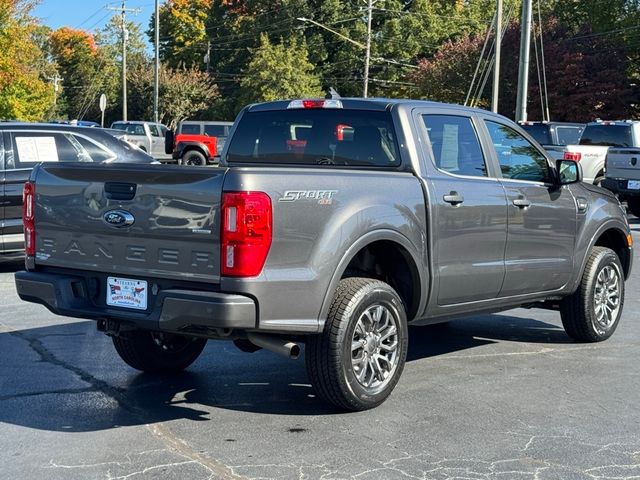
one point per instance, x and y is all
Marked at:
(118, 218)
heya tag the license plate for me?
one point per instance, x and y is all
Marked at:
(633, 185)
(127, 292)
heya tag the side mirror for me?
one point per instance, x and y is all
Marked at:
(168, 142)
(569, 171)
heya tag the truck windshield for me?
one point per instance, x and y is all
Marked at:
(607, 136)
(315, 137)
(541, 133)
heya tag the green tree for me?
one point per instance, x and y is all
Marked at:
(24, 93)
(183, 35)
(185, 92)
(279, 71)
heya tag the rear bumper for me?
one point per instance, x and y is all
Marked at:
(619, 187)
(173, 310)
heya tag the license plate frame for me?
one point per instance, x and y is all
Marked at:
(633, 184)
(130, 293)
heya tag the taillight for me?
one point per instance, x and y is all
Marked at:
(246, 233)
(573, 156)
(28, 218)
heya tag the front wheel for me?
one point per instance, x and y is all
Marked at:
(155, 352)
(356, 362)
(592, 313)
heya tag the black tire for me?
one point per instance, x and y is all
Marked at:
(193, 158)
(598, 180)
(154, 352)
(633, 203)
(579, 312)
(329, 355)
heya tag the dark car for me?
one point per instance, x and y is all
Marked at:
(22, 146)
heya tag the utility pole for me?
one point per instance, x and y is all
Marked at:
(56, 87)
(123, 13)
(523, 70)
(207, 57)
(156, 66)
(496, 70)
(367, 57)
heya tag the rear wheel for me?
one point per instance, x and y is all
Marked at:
(194, 158)
(634, 205)
(592, 313)
(356, 362)
(156, 352)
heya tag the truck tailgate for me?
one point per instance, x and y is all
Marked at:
(130, 220)
(623, 163)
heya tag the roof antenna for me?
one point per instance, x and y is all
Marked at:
(332, 94)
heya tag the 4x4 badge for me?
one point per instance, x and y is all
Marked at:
(118, 218)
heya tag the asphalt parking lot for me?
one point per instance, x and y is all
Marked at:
(506, 396)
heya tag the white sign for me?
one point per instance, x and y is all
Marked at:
(449, 152)
(36, 149)
(103, 102)
(633, 185)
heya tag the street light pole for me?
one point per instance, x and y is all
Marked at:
(367, 57)
(496, 71)
(156, 66)
(523, 70)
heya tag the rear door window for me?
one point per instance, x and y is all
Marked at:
(316, 137)
(30, 148)
(569, 135)
(154, 130)
(541, 133)
(190, 129)
(455, 145)
(214, 130)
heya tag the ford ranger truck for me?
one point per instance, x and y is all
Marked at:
(333, 223)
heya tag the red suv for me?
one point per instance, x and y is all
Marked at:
(197, 142)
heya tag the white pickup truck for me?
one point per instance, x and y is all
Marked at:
(147, 136)
(598, 137)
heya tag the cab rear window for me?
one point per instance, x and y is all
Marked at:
(607, 136)
(316, 137)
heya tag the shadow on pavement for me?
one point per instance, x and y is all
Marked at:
(9, 264)
(68, 377)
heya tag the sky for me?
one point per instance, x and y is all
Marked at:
(89, 14)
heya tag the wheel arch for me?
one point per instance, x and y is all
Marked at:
(394, 259)
(615, 239)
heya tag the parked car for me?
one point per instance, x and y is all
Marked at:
(148, 136)
(554, 133)
(383, 213)
(197, 142)
(594, 145)
(22, 146)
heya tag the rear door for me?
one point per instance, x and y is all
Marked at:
(469, 209)
(157, 141)
(541, 215)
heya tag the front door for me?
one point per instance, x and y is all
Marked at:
(469, 210)
(542, 216)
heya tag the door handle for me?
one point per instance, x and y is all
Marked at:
(522, 202)
(454, 198)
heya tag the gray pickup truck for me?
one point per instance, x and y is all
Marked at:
(332, 223)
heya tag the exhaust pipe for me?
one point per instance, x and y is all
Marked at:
(275, 344)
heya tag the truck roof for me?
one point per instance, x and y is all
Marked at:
(373, 104)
